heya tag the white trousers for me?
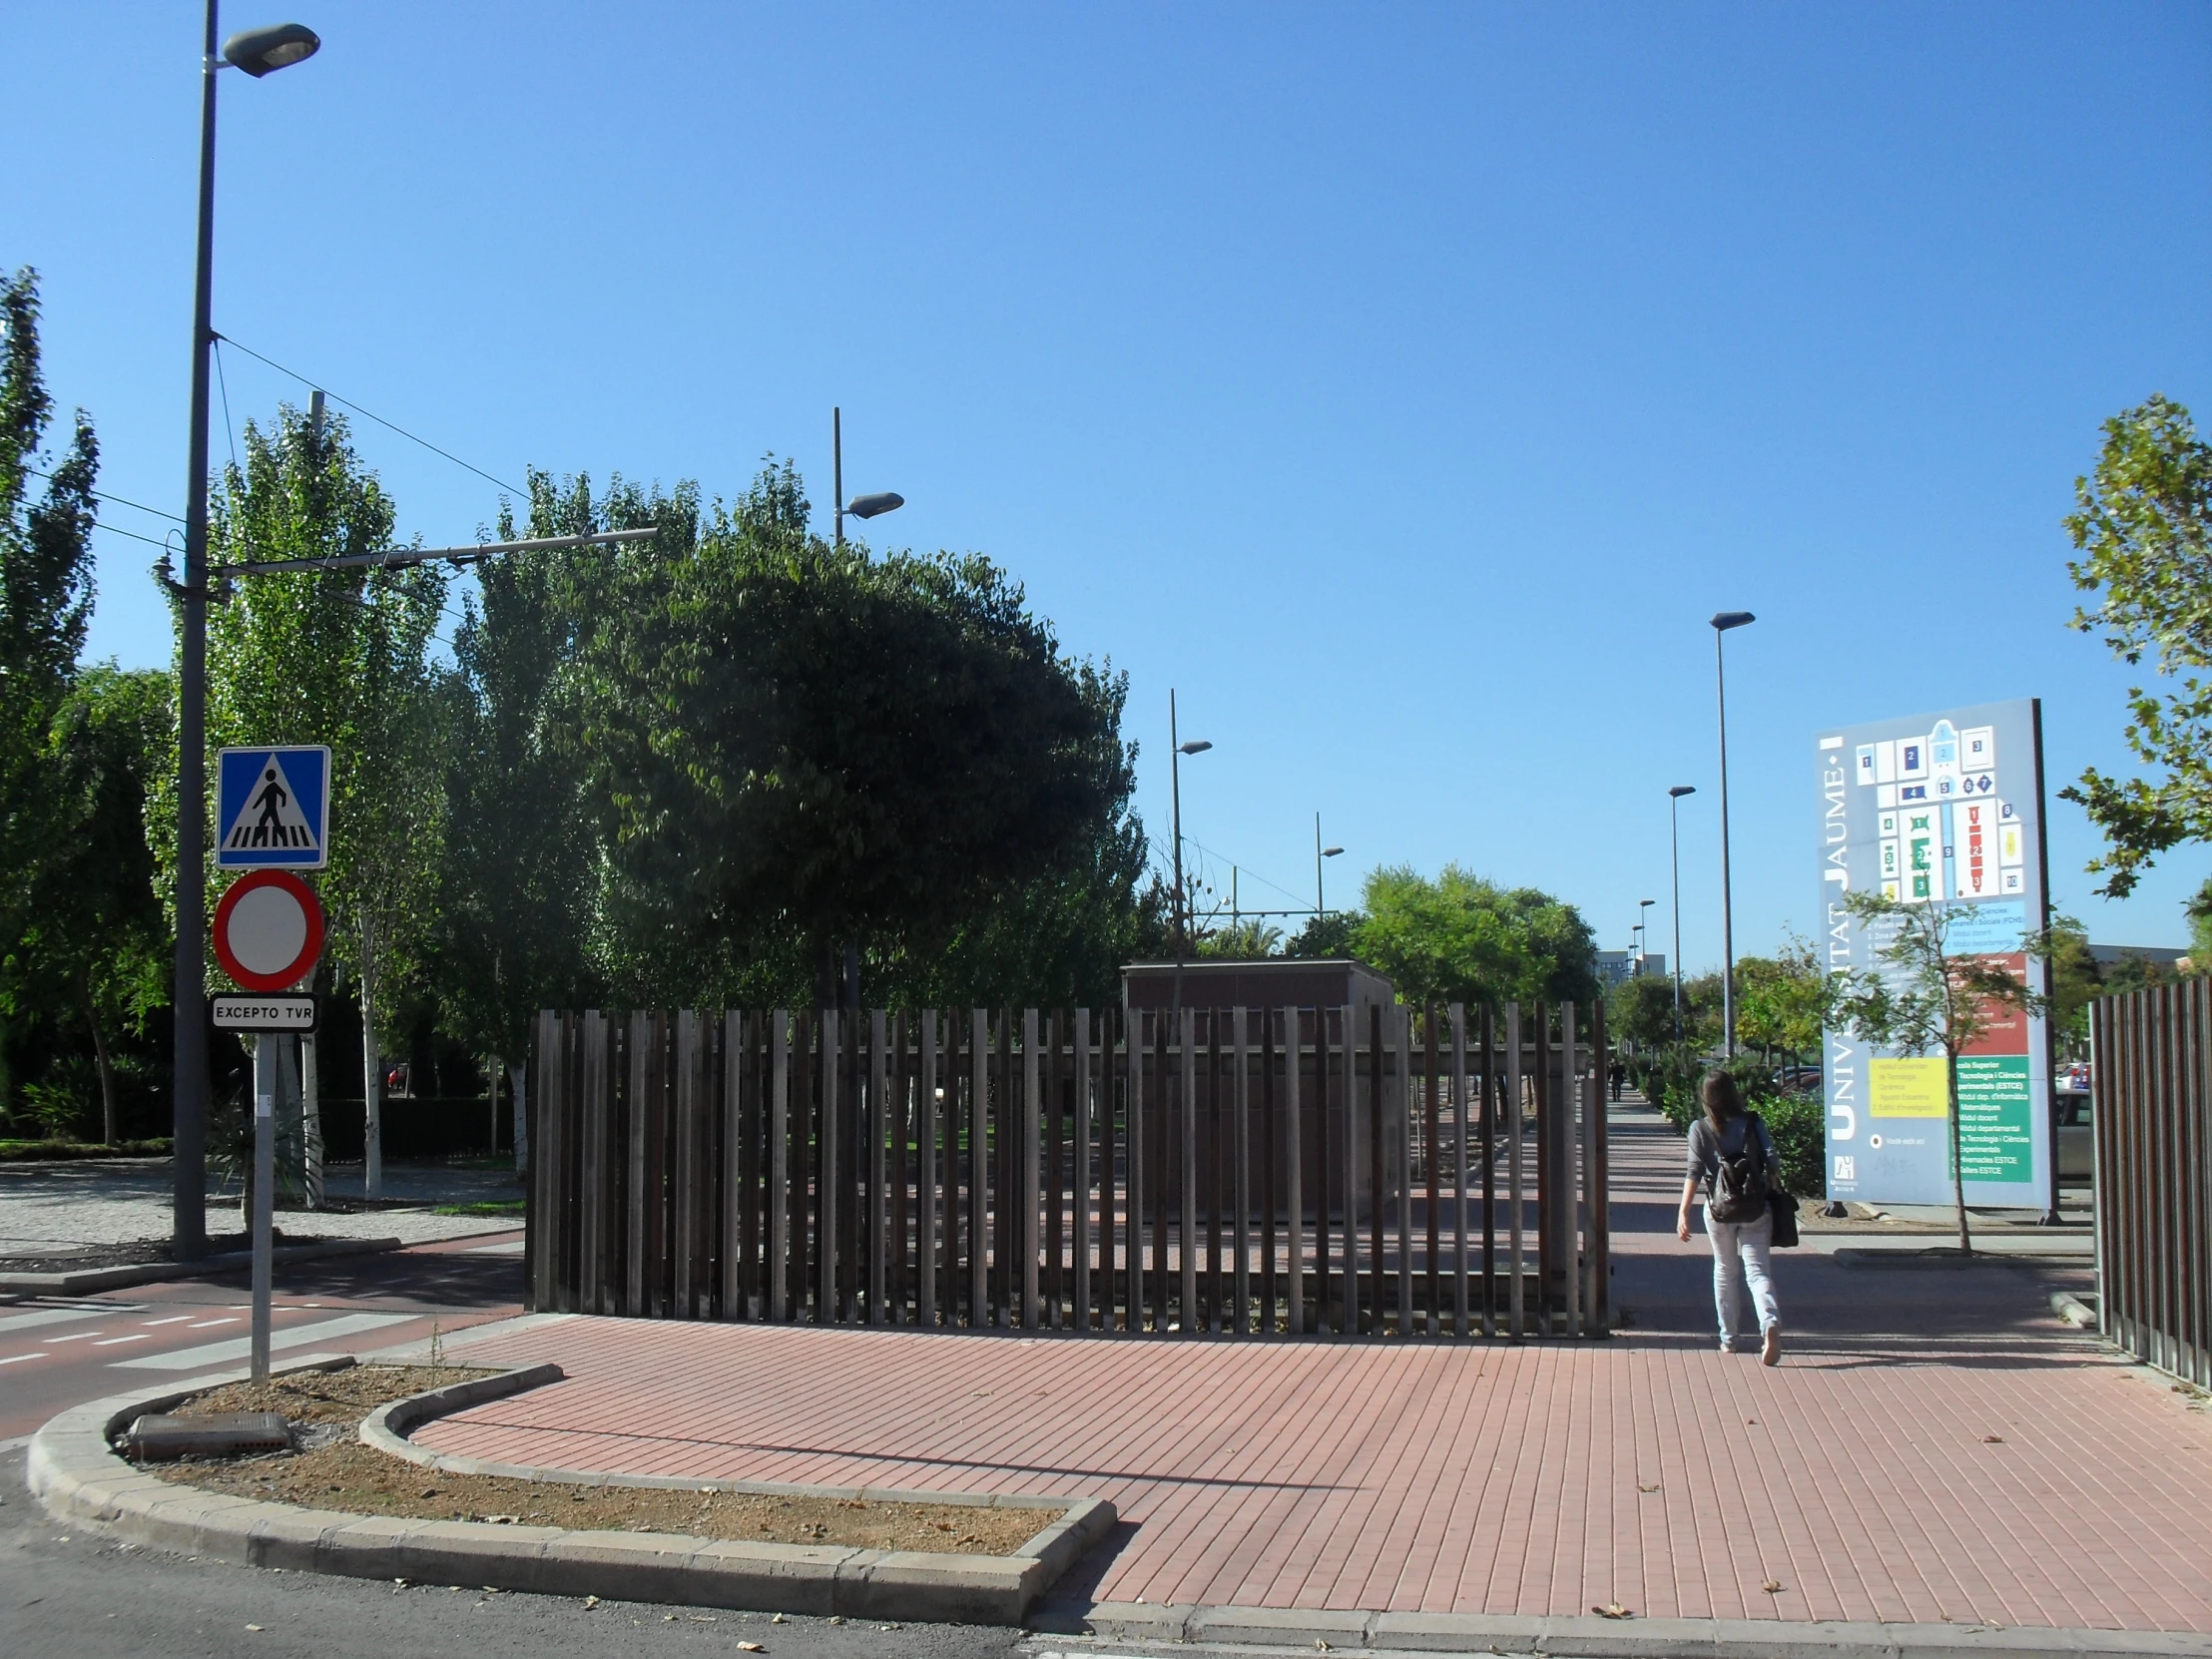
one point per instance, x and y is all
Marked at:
(1741, 1252)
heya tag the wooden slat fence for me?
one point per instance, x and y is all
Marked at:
(1341, 1172)
(2152, 1105)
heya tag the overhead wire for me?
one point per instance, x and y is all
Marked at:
(230, 427)
(373, 415)
(120, 502)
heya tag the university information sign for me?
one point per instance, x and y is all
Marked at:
(1940, 810)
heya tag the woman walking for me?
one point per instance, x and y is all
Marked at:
(1733, 1158)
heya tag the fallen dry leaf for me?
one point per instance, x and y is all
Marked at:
(1653, 1488)
(1612, 1610)
(591, 1601)
(751, 1647)
(1993, 1440)
(1772, 1586)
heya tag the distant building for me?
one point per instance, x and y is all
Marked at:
(1613, 966)
(2104, 955)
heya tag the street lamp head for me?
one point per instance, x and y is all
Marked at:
(1680, 790)
(1197, 746)
(868, 506)
(1724, 620)
(1644, 903)
(1330, 852)
(279, 46)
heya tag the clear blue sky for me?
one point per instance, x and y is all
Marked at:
(1405, 386)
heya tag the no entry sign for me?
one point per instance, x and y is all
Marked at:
(268, 930)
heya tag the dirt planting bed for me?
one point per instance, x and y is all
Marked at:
(345, 1474)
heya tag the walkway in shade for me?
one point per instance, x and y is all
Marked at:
(1935, 1448)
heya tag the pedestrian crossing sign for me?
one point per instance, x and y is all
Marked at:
(272, 807)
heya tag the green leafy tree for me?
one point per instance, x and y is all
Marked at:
(96, 945)
(1782, 1001)
(1924, 995)
(1242, 942)
(46, 591)
(520, 880)
(2144, 528)
(2075, 981)
(1639, 1013)
(791, 741)
(339, 656)
(1460, 938)
(1330, 938)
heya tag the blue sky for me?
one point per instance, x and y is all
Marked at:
(1403, 386)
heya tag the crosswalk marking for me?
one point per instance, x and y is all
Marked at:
(208, 1354)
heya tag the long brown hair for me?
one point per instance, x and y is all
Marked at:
(1723, 1100)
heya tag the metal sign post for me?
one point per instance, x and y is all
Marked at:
(264, 1195)
(273, 808)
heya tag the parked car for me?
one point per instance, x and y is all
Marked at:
(1798, 1080)
(2074, 1080)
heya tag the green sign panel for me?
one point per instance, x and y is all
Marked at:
(1995, 1125)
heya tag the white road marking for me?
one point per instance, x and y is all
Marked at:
(74, 1336)
(209, 1325)
(136, 1336)
(62, 1316)
(18, 1359)
(208, 1354)
(174, 1318)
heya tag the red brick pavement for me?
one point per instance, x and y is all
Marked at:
(1981, 1468)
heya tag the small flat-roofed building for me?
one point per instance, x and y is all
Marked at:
(1276, 982)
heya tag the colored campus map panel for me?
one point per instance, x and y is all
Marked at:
(1947, 809)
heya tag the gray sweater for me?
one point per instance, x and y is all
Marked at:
(1707, 1149)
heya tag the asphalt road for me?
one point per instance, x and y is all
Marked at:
(63, 1595)
(61, 1352)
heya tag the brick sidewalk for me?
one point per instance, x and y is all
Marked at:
(1935, 1449)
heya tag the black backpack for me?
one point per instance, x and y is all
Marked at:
(1740, 1182)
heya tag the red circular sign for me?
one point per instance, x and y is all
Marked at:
(268, 930)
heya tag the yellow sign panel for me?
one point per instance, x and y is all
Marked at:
(1908, 1088)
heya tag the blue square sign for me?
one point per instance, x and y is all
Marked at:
(272, 807)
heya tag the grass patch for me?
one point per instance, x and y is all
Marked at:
(488, 1207)
(29, 1152)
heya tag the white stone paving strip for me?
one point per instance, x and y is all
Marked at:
(62, 1316)
(208, 1355)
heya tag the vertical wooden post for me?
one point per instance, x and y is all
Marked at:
(1083, 1120)
(1294, 1196)
(1133, 1155)
(926, 1257)
(1402, 1097)
(1056, 1178)
(1241, 1143)
(1186, 1039)
(1269, 1172)
(1600, 1180)
(1026, 1145)
(879, 1120)
(1460, 1169)
(1514, 1290)
(1379, 1208)
(731, 1254)
(1214, 1160)
(1170, 1140)
(1353, 1321)
(778, 1167)
(1432, 1134)
(679, 1165)
(831, 1022)
(589, 1073)
(1568, 1249)
(542, 1221)
(980, 1056)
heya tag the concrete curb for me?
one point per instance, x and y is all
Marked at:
(150, 1273)
(77, 1474)
(1283, 1629)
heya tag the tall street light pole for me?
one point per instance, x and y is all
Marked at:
(1176, 751)
(259, 52)
(1643, 920)
(1321, 906)
(860, 506)
(1723, 621)
(1674, 820)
